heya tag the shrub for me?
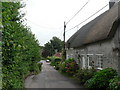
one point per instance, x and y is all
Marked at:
(84, 74)
(69, 66)
(57, 67)
(101, 79)
(49, 58)
(55, 62)
(115, 83)
(62, 67)
(39, 66)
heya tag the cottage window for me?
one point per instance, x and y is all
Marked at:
(89, 59)
(99, 61)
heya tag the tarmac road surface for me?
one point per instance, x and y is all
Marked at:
(50, 78)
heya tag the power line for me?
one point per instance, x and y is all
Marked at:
(43, 26)
(78, 11)
(88, 18)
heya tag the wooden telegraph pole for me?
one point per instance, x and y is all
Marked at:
(64, 50)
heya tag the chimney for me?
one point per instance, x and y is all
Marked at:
(112, 3)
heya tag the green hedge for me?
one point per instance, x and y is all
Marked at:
(20, 49)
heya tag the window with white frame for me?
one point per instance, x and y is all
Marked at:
(89, 59)
(99, 61)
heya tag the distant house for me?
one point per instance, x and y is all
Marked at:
(97, 44)
(58, 54)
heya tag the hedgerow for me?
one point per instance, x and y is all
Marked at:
(20, 49)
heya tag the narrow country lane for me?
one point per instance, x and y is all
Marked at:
(50, 78)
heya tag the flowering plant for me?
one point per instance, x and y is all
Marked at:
(70, 66)
(118, 83)
(115, 83)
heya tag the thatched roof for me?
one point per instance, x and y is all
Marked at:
(100, 28)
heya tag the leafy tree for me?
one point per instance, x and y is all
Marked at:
(20, 49)
(55, 44)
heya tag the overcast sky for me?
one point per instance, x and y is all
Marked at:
(46, 17)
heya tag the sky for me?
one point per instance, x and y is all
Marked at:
(46, 17)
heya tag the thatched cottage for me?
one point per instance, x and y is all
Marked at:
(97, 44)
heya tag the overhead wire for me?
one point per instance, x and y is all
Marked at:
(78, 11)
(87, 18)
(42, 26)
(60, 28)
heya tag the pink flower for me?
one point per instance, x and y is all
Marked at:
(119, 83)
(67, 71)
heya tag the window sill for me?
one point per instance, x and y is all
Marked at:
(99, 68)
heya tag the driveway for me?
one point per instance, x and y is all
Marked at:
(50, 78)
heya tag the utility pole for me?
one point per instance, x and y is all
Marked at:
(64, 51)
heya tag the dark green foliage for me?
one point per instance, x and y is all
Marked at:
(69, 67)
(62, 67)
(101, 79)
(115, 83)
(21, 50)
(84, 74)
(57, 59)
(39, 66)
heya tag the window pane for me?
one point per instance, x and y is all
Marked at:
(99, 60)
